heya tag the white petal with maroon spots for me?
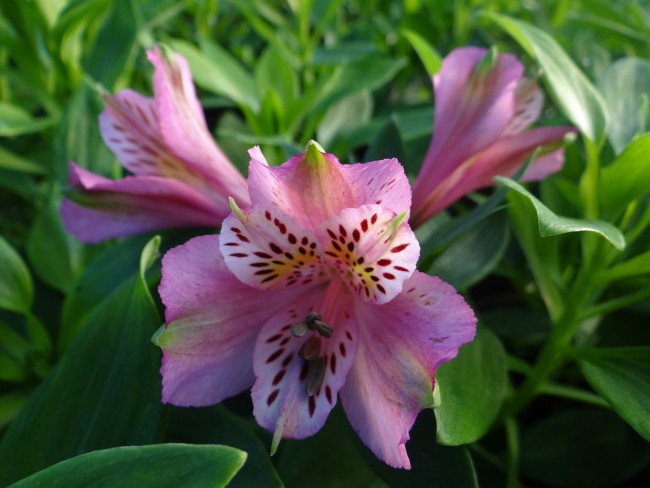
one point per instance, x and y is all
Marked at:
(371, 249)
(267, 249)
(280, 398)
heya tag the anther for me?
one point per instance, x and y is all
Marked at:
(315, 375)
(314, 322)
(298, 330)
(310, 349)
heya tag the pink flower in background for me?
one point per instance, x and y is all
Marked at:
(180, 176)
(483, 107)
(309, 294)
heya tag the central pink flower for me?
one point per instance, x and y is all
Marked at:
(309, 294)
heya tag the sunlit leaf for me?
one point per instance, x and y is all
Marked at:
(16, 288)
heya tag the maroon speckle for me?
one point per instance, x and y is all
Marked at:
(303, 370)
(262, 272)
(401, 268)
(272, 397)
(333, 364)
(235, 230)
(260, 254)
(274, 356)
(273, 338)
(312, 406)
(278, 377)
(258, 265)
(231, 244)
(242, 238)
(356, 235)
(267, 215)
(384, 262)
(304, 241)
(286, 361)
(350, 246)
(364, 225)
(361, 260)
(284, 341)
(275, 248)
(348, 335)
(342, 230)
(381, 289)
(399, 248)
(389, 276)
(373, 219)
(292, 239)
(331, 233)
(239, 255)
(336, 246)
(342, 349)
(269, 278)
(328, 394)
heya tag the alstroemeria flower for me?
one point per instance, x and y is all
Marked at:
(483, 107)
(309, 294)
(181, 177)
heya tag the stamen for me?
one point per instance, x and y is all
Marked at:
(315, 375)
(298, 330)
(314, 322)
(310, 349)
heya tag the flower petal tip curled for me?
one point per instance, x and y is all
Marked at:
(314, 154)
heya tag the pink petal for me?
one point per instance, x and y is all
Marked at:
(281, 401)
(402, 344)
(529, 101)
(372, 249)
(212, 322)
(132, 205)
(265, 248)
(471, 111)
(184, 130)
(310, 191)
(504, 158)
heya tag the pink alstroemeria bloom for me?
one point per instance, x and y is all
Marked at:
(180, 176)
(309, 294)
(483, 107)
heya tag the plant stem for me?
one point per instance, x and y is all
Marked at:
(512, 436)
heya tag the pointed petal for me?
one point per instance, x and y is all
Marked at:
(311, 186)
(529, 101)
(402, 344)
(373, 250)
(544, 166)
(117, 208)
(212, 322)
(380, 182)
(280, 397)
(472, 110)
(184, 130)
(265, 248)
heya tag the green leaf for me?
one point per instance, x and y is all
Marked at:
(627, 178)
(308, 462)
(582, 448)
(16, 121)
(214, 69)
(10, 405)
(274, 73)
(623, 85)
(344, 116)
(104, 274)
(474, 254)
(217, 425)
(104, 392)
(11, 161)
(55, 255)
(16, 288)
(111, 50)
(622, 377)
(569, 87)
(427, 53)
(163, 465)
(638, 265)
(386, 144)
(550, 224)
(472, 389)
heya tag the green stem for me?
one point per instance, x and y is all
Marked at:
(616, 304)
(574, 394)
(512, 437)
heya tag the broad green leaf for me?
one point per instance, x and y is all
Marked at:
(386, 144)
(55, 255)
(431, 464)
(550, 224)
(638, 265)
(623, 84)
(16, 288)
(622, 377)
(215, 70)
(309, 462)
(217, 425)
(10, 405)
(345, 116)
(162, 465)
(472, 388)
(569, 87)
(474, 254)
(16, 121)
(344, 52)
(111, 50)
(274, 73)
(427, 53)
(9, 160)
(104, 391)
(627, 178)
(582, 448)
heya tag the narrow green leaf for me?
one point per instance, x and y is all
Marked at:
(474, 254)
(162, 465)
(627, 178)
(111, 50)
(214, 69)
(16, 121)
(472, 389)
(55, 255)
(623, 84)
(622, 377)
(638, 265)
(11, 161)
(550, 224)
(104, 391)
(10, 405)
(16, 288)
(344, 116)
(571, 90)
(274, 73)
(427, 53)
